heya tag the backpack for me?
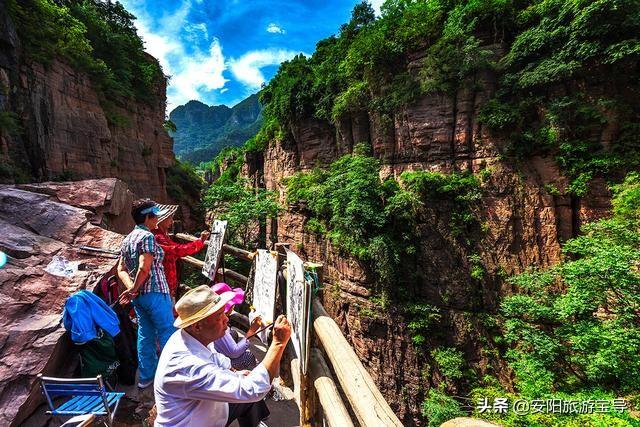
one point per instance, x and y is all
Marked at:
(126, 341)
(98, 357)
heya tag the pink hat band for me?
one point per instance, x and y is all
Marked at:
(220, 288)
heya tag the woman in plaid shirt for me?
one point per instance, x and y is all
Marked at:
(140, 269)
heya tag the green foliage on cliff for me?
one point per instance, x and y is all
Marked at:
(574, 329)
(491, 389)
(422, 317)
(578, 323)
(544, 99)
(559, 39)
(450, 362)
(375, 220)
(243, 206)
(439, 408)
(10, 123)
(462, 190)
(94, 36)
(185, 187)
(546, 54)
(234, 199)
(362, 215)
(364, 67)
(169, 126)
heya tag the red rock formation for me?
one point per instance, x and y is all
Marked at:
(108, 199)
(524, 226)
(66, 130)
(37, 224)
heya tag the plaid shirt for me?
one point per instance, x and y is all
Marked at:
(172, 252)
(141, 241)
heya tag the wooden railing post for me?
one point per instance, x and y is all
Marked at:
(368, 404)
(331, 408)
(307, 400)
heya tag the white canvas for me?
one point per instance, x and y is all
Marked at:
(214, 252)
(298, 306)
(264, 284)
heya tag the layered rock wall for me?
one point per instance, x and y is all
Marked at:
(523, 226)
(67, 132)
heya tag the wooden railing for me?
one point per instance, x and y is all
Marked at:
(317, 393)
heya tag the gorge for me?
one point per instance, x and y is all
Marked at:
(431, 158)
(428, 168)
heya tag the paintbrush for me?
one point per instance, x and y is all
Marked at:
(260, 330)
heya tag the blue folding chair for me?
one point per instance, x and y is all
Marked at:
(86, 396)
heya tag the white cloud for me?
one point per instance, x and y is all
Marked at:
(199, 71)
(247, 68)
(276, 29)
(190, 72)
(376, 5)
(196, 31)
(223, 90)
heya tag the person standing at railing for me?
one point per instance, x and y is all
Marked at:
(173, 250)
(140, 269)
(194, 385)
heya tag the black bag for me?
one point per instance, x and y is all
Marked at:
(126, 340)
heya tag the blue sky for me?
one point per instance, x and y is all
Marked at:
(221, 51)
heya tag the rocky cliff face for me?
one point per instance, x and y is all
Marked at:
(523, 226)
(39, 222)
(65, 132)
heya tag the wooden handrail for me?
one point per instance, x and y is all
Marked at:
(193, 261)
(238, 253)
(188, 237)
(233, 275)
(228, 249)
(368, 404)
(333, 409)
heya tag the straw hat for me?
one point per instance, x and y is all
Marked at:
(166, 211)
(198, 304)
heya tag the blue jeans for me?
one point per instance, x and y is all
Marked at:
(155, 321)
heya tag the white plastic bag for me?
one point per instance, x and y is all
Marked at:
(62, 267)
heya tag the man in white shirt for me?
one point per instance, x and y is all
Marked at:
(195, 386)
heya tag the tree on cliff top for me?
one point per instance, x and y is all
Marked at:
(554, 52)
(95, 36)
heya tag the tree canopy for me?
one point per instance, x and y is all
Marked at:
(96, 36)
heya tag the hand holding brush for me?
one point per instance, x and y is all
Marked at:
(264, 328)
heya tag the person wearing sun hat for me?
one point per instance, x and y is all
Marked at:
(141, 270)
(194, 385)
(238, 351)
(173, 250)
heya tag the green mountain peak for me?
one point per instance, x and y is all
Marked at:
(203, 130)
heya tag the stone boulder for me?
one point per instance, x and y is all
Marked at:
(109, 199)
(39, 222)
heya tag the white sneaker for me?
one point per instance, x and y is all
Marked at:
(145, 384)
